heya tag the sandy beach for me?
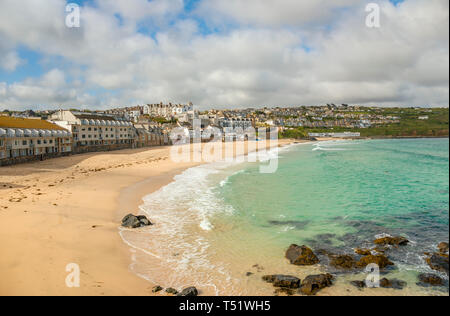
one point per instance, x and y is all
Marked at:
(68, 210)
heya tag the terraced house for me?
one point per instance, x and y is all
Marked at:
(23, 140)
(96, 131)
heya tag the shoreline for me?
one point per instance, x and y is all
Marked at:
(68, 210)
(46, 225)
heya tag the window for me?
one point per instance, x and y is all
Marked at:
(89, 129)
(24, 142)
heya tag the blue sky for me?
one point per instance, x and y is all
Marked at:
(220, 53)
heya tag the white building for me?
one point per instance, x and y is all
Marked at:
(168, 110)
(95, 129)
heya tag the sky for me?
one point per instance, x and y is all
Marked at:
(223, 53)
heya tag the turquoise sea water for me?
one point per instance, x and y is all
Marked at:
(342, 194)
(217, 222)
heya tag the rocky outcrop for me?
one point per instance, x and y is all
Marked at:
(190, 291)
(430, 279)
(132, 221)
(301, 256)
(157, 289)
(438, 262)
(285, 281)
(392, 284)
(381, 260)
(312, 284)
(345, 262)
(443, 247)
(391, 241)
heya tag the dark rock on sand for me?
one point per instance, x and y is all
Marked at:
(431, 279)
(392, 241)
(314, 283)
(443, 247)
(285, 281)
(249, 274)
(157, 289)
(171, 291)
(131, 221)
(392, 284)
(358, 284)
(438, 262)
(342, 262)
(363, 252)
(381, 260)
(301, 256)
(190, 291)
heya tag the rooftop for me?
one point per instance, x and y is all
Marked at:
(23, 123)
(89, 116)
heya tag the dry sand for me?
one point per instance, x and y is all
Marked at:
(68, 210)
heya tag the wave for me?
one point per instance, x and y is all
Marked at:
(182, 213)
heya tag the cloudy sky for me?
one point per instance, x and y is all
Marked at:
(223, 53)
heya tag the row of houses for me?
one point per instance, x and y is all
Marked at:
(69, 132)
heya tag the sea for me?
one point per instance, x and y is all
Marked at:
(222, 226)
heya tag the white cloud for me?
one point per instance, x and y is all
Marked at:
(268, 53)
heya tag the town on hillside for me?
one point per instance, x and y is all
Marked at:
(36, 135)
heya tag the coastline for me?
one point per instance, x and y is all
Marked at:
(68, 210)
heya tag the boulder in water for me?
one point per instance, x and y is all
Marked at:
(285, 281)
(343, 262)
(381, 260)
(392, 284)
(392, 241)
(431, 279)
(312, 284)
(301, 256)
(438, 262)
